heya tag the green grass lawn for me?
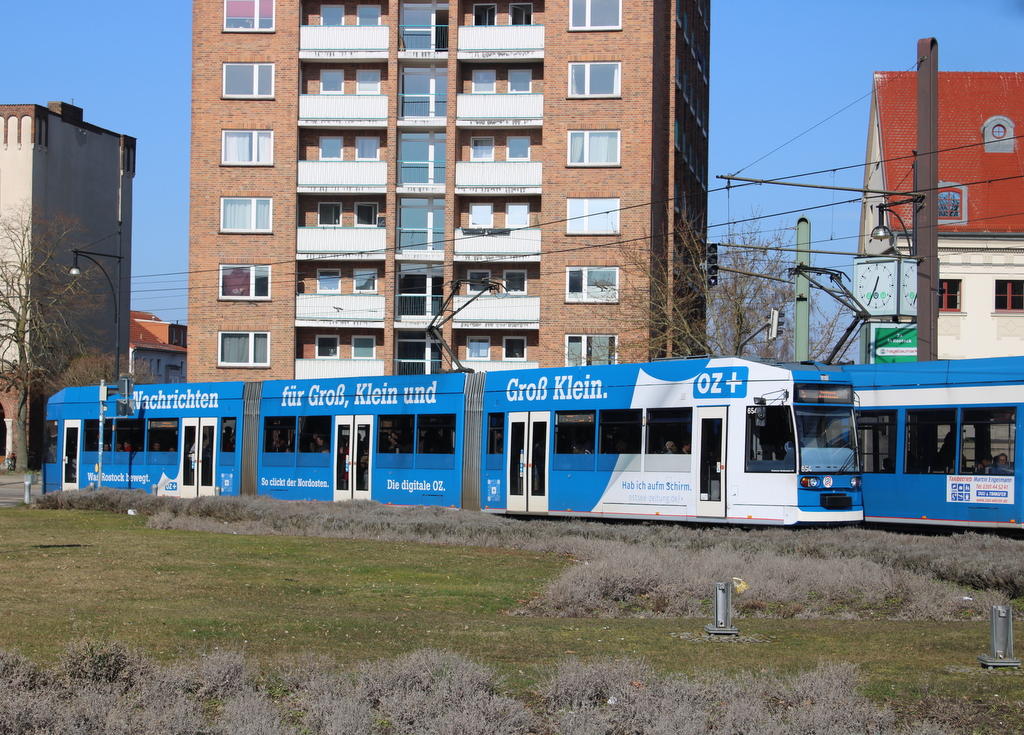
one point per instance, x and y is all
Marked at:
(69, 575)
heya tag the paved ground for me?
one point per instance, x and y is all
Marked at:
(12, 488)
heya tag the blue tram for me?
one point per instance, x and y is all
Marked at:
(709, 440)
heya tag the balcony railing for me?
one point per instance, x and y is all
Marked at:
(322, 369)
(418, 367)
(485, 244)
(420, 240)
(501, 42)
(352, 242)
(503, 309)
(493, 366)
(348, 308)
(526, 110)
(413, 173)
(429, 106)
(343, 176)
(343, 42)
(417, 305)
(348, 110)
(423, 38)
(507, 177)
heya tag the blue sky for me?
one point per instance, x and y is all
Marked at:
(790, 83)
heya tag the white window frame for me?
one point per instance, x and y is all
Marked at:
(341, 20)
(256, 93)
(587, 137)
(586, 215)
(324, 276)
(517, 205)
(476, 277)
(358, 273)
(368, 81)
(329, 73)
(528, 73)
(581, 17)
(590, 292)
(517, 273)
(376, 213)
(586, 349)
(361, 16)
(504, 349)
(478, 212)
(255, 273)
(332, 140)
(253, 214)
(482, 7)
(327, 339)
(373, 346)
(255, 148)
(335, 206)
(485, 81)
(256, 19)
(587, 68)
(376, 148)
(511, 12)
(251, 361)
(508, 147)
(478, 342)
(481, 148)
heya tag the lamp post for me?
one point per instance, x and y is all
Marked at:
(116, 293)
(883, 232)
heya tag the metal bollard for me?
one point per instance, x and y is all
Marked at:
(722, 611)
(28, 489)
(1001, 649)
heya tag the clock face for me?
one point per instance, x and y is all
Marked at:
(875, 286)
(908, 287)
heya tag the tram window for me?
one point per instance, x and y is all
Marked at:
(495, 433)
(50, 448)
(669, 430)
(314, 434)
(621, 431)
(770, 440)
(128, 435)
(988, 435)
(91, 435)
(877, 433)
(574, 432)
(279, 434)
(163, 435)
(436, 434)
(395, 434)
(931, 441)
(228, 433)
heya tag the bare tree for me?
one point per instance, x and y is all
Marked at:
(37, 301)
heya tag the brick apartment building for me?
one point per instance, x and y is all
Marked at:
(355, 165)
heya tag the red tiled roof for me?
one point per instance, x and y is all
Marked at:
(995, 181)
(149, 331)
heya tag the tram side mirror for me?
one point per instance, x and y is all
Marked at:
(759, 415)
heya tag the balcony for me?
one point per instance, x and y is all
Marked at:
(323, 369)
(498, 312)
(423, 110)
(498, 177)
(343, 177)
(500, 110)
(493, 366)
(489, 43)
(343, 43)
(422, 42)
(343, 110)
(338, 310)
(417, 307)
(522, 245)
(418, 367)
(361, 243)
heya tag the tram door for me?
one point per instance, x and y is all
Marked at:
(528, 462)
(710, 451)
(70, 456)
(198, 457)
(352, 457)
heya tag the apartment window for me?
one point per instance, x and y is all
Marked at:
(1009, 295)
(477, 281)
(595, 14)
(247, 147)
(478, 348)
(949, 204)
(518, 148)
(330, 149)
(594, 147)
(364, 280)
(244, 349)
(368, 148)
(366, 214)
(483, 81)
(368, 15)
(514, 348)
(481, 149)
(592, 216)
(332, 15)
(520, 14)
(520, 81)
(332, 81)
(364, 348)
(592, 284)
(485, 15)
(481, 214)
(326, 347)
(245, 281)
(249, 15)
(949, 295)
(248, 80)
(517, 215)
(598, 79)
(368, 81)
(328, 280)
(515, 282)
(245, 214)
(329, 214)
(589, 349)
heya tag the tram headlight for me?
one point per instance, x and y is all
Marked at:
(810, 481)
(855, 481)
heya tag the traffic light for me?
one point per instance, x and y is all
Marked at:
(711, 264)
(125, 403)
(775, 323)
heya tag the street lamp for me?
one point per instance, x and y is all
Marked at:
(116, 293)
(883, 232)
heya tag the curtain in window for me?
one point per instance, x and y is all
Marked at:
(262, 214)
(260, 349)
(237, 214)
(576, 143)
(264, 147)
(234, 348)
(367, 148)
(235, 282)
(238, 147)
(604, 147)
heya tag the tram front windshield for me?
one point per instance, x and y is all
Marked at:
(827, 439)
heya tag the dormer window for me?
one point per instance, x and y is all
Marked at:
(951, 203)
(997, 134)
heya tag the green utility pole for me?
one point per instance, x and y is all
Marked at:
(802, 309)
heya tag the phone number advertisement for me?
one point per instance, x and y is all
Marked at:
(979, 489)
